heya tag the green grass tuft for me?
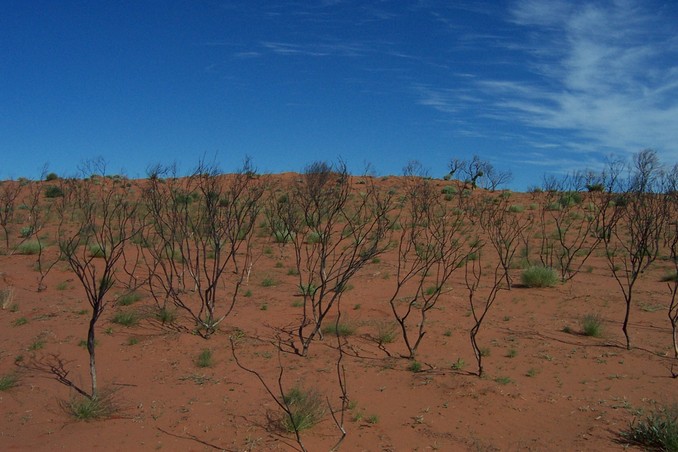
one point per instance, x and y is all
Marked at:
(29, 247)
(205, 358)
(592, 325)
(8, 381)
(658, 431)
(88, 409)
(127, 318)
(538, 276)
(306, 407)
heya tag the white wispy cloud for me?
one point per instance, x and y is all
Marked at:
(606, 73)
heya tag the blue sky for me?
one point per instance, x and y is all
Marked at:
(533, 86)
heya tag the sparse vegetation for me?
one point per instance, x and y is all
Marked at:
(657, 431)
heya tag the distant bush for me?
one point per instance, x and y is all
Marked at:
(53, 191)
(29, 247)
(51, 177)
(539, 276)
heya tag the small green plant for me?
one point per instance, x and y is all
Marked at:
(268, 282)
(264, 307)
(670, 277)
(658, 431)
(516, 208)
(29, 247)
(447, 333)
(20, 321)
(539, 276)
(343, 329)
(512, 353)
(26, 232)
(592, 325)
(132, 341)
(8, 381)
(248, 293)
(88, 409)
(128, 299)
(386, 332)
(127, 318)
(484, 352)
(62, 285)
(166, 315)
(97, 250)
(83, 343)
(306, 409)
(308, 289)
(372, 419)
(458, 364)
(205, 358)
(292, 271)
(503, 380)
(313, 237)
(38, 344)
(415, 366)
(531, 372)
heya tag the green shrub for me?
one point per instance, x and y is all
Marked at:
(343, 329)
(306, 409)
(570, 198)
(205, 358)
(415, 366)
(166, 315)
(386, 332)
(8, 381)
(308, 289)
(268, 282)
(53, 191)
(97, 250)
(20, 321)
(128, 299)
(51, 177)
(29, 247)
(313, 237)
(87, 409)
(516, 208)
(539, 276)
(449, 190)
(26, 231)
(658, 431)
(127, 318)
(592, 325)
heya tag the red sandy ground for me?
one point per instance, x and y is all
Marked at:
(545, 389)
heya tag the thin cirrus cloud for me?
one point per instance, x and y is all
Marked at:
(604, 73)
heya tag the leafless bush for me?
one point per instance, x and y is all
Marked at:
(200, 240)
(435, 241)
(334, 232)
(95, 248)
